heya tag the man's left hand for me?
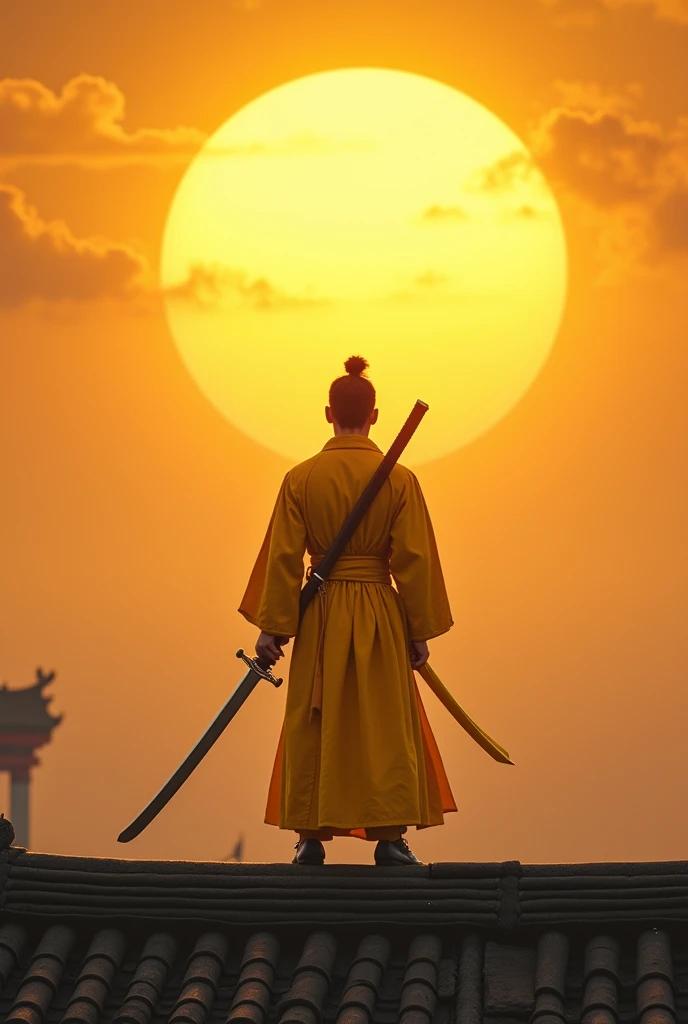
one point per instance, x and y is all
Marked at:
(419, 653)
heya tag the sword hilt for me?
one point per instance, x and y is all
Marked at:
(260, 670)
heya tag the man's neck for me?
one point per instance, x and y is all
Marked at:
(363, 431)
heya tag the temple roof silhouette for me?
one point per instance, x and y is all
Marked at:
(94, 940)
(25, 710)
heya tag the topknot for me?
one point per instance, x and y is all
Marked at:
(355, 365)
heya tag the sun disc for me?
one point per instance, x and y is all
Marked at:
(364, 211)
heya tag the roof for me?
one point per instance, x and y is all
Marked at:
(89, 940)
(26, 710)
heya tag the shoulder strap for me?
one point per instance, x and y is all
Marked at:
(354, 518)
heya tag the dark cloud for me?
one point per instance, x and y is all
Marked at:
(44, 261)
(633, 172)
(605, 157)
(83, 124)
(208, 285)
(438, 213)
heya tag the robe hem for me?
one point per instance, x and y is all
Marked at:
(304, 827)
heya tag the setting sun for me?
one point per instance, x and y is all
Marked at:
(371, 211)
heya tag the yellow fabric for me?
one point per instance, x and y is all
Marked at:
(465, 721)
(356, 750)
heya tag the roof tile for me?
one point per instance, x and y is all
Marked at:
(362, 986)
(200, 983)
(419, 988)
(254, 987)
(654, 993)
(509, 979)
(95, 979)
(550, 978)
(601, 972)
(43, 976)
(470, 981)
(12, 941)
(149, 980)
(303, 1003)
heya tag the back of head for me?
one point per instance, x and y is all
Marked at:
(352, 397)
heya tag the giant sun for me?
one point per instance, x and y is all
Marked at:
(373, 212)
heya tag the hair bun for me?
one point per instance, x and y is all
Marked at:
(355, 365)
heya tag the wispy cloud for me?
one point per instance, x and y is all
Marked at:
(43, 260)
(572, 13)
(81, 125)
(304, 144)
(526, 212)
(514, 169)
(438, 214)
(208, 286)
(596, 98)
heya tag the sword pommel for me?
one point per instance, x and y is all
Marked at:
(260, 670)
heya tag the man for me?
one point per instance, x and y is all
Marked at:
(356, 756)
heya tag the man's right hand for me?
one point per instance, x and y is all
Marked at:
(269, 647)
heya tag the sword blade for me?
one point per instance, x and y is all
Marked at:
(193, 758)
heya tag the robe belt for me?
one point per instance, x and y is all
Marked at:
(347, 569)
(355, 569)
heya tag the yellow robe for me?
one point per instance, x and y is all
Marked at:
(356, 750)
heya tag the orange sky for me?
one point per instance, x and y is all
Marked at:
(131, 510)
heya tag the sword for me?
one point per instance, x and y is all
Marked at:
(255, 673)
(258, 671)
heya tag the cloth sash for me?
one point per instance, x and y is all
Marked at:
(355, 569)
(347, 569)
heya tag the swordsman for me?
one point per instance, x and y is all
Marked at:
(356, 756)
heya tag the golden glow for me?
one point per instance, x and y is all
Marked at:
(364, 211)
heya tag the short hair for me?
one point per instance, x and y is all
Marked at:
(352, 397)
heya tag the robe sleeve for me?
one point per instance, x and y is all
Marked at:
(271, 601)
(415, 566)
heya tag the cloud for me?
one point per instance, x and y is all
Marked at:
(82, 125)
(526, 212)
(631, 174)
(304, 144)
(593, 97)
(438, 214)
(42, 260)
(208, 286)
(517, 167)
(606, 157)
(582, 12)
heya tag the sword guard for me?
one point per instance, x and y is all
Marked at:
(259, 669)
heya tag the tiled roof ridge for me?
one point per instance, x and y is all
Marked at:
(489, 897)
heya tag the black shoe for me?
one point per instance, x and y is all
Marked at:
(393, 854)
(309, 851)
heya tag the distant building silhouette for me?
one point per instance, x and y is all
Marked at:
(25, 725)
